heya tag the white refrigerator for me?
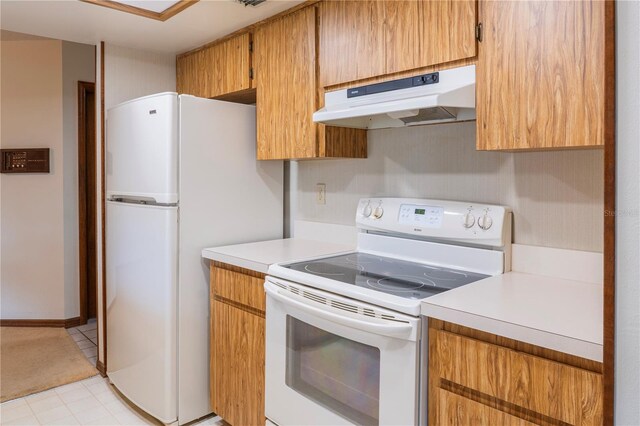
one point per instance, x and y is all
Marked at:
(181, 175)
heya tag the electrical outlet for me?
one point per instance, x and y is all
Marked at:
(321, 193)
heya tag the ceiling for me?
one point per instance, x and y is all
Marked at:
(82, 22)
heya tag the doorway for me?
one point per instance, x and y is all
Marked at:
(87, 209)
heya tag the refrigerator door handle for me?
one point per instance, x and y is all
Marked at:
(142, 200)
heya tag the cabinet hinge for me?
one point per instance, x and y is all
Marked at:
(479, 31)
(251, 46)
(251, 73)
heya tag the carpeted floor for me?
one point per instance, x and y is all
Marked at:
(34, 359)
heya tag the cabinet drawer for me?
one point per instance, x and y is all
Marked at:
(546, 387)
(237, 287)
(457, 410)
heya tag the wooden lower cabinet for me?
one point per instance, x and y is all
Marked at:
(454, 409)
(479, 378)
(237, 345)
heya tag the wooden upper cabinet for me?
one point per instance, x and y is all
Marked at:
(216, 70)
(447, 31)
(541, 75)
(285, 60)
(287, 95)
(351, 40)
(368, 38)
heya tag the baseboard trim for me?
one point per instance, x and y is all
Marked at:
(73, 322)
(66, 323)
(101, 368)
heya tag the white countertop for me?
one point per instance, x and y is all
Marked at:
(258, 256)
(554, 313)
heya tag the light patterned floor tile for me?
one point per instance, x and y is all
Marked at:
(98, 387)
(90, 352)
(40, 395)
(83, 404)
(91, 380)
(86, 416)
(70, 387)
(75, 395)
(87, 327)
(13, 413)
(67, 421)
(116, 407)
(106, 398)
(54, 415)
(129, 418)
(28, 420)
(91, 334)
(13, 403)
(78, 336)
(45, 404)
(85, 344)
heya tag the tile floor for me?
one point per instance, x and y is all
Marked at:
(92, 401)
(88, 402)
(86, 337)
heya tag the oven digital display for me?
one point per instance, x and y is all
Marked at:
(421, 216)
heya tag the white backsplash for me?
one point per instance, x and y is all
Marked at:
(556, 196)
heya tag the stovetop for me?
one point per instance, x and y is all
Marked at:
(392, 276)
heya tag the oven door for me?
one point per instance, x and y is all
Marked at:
(331, 360)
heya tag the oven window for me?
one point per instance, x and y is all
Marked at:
(341, 375)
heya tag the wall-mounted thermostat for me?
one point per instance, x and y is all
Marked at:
(30, 160)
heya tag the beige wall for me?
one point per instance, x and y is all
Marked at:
(38, 213)
(557, 197)
(32, 275)
(129, 74)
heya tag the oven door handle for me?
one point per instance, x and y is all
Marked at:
(395, 330)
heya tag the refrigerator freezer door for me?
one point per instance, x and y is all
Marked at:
(142, 149)
(142, 270)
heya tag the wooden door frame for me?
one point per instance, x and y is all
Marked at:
(84, 88)
(609, 249)
(101, 366)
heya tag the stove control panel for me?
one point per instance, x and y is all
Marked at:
(421, 215)
(481, 224)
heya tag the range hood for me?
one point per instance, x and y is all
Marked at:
(438, 97)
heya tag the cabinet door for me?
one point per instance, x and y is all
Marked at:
(447, 31)
(216, 70)
(285, 61)
(428, 32)
(541, 75)
(237, 365)
(191, 74)
(403, 35)
(228, 65)
(352, 45)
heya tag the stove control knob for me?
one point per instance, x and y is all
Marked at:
(485, 222)
(468, 219)
(366, 211)
(378, 212)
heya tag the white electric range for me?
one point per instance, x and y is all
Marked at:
(343, 332)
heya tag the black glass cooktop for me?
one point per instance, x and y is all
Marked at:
(397, 277)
